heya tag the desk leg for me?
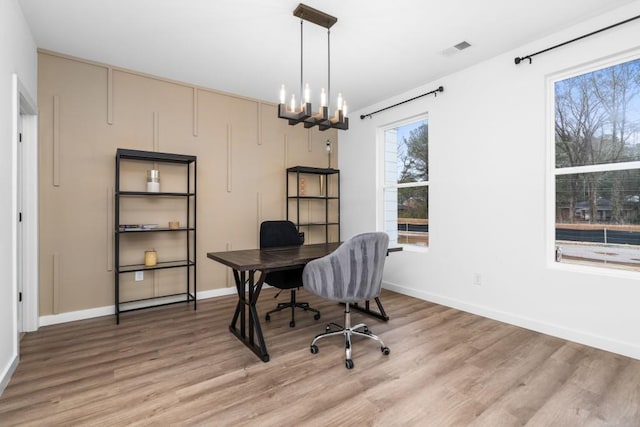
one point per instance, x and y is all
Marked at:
(380, 314)
(253, 322)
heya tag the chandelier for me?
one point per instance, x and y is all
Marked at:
(303, 112)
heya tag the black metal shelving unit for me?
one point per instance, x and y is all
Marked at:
(330, 194)
(189, 196)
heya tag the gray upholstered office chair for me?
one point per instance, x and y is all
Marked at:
(353, 272)
(275, 234)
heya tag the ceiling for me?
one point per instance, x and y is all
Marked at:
(379, 48)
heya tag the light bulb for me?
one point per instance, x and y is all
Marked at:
(282, 94)
(344, 108)
(293, 102)
(339, 101)
(307, 94)
(323, 98)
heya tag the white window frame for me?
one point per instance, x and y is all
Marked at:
(382, 185)
(553, 171)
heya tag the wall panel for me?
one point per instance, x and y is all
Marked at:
(242, 148)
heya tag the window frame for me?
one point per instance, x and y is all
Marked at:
(383, 186)
(553, 172)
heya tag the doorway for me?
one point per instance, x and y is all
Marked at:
(25, 204)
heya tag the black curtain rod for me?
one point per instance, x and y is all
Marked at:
(519, 59)
(435, 92)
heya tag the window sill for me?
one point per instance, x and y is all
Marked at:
(592, 270)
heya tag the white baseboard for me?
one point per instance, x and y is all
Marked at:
(108, 310)
(8, 373)
(582, 337)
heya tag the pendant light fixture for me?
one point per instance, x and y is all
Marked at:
(303, 112)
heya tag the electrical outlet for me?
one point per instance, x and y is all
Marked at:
(477, 279)
(139, 276)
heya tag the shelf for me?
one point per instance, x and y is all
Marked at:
(155, 302)
(329, 202)
(184, 200)
(152, 230)
(150, 194)
(159, 266)
(313, 198)
(152, 156)
(312, 170)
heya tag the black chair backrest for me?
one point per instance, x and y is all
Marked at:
(279, 233)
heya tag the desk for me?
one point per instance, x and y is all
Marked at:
(245, 263)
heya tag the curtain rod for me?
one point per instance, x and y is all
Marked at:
(519, 59)
(435, 92)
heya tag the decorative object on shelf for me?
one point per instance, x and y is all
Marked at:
(301, 185)
(150, 258)
(328, 147)
(153, 181)
(134, 227)
(174, 225)
(304, 113)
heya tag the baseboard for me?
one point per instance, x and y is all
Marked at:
(581, 337)
(108, 310)
(8, 373)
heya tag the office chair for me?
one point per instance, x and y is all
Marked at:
(353, 272)
(277, 234)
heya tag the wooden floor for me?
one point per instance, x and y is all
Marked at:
(172, 365)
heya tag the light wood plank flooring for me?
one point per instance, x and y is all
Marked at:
(172, 365)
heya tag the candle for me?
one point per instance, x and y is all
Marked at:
(307, 94)
(282, 95)
(150, 258)
(153, 181)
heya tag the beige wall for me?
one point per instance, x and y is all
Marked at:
(87, 110)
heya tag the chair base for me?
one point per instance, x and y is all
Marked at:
(347, 331)
(293, 304)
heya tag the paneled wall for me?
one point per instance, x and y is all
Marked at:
(88, 110)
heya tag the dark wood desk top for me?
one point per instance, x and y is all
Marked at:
(272, 258)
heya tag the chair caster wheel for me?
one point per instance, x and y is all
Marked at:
(314, 349)
(349, 363)
(385, 350)
(267, 317)
(292, 324)
(327, 328)
(316, 316)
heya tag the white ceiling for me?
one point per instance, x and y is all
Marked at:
(379, 48)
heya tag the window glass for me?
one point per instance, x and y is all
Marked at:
(406, 183)
(597, 167)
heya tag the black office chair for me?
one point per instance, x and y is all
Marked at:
(351, 273)
(277, 234)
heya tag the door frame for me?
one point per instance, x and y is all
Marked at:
(25, 106)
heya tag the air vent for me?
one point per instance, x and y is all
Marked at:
(455, 48)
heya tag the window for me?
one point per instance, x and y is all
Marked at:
(597, 167)
(406, 183)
